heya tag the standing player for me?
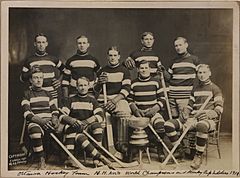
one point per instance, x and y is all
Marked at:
(84, 113)
(117, 80)
(81, 64)
(40, 113)
(203, 121)
(48, 65)
(146, 99)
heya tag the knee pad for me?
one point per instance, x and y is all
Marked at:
(202, 127)
(159, 126)
(80, 138)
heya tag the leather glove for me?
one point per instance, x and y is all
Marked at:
(45, 123)
(202, 115)
(138, 113)
(160, 68)
(55, 122)
(184, 114)
(130, 63)
(56, 83)
(110, 106)
(152, 111)
(78, 125)
(103, 78)
(211, 114)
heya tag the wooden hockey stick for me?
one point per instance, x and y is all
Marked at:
(122, 164)
(110, 143)
(185, 132)
(165, 93)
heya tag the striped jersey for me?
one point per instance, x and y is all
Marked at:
(183, 75)
(80, 65)
(48, 64)
(149, 55)
(38, 102)
(201, 92)
(82, 108)
(146, 93)
(118, 81)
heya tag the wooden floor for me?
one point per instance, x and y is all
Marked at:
(214, 163)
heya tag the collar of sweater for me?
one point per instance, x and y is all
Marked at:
(113, 66)
(144, 78)
(34, 88)
(206, 82)
(82, 53)
(82, 96)
(144, 48)
(41, 53)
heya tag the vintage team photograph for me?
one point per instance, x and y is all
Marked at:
(127, 89)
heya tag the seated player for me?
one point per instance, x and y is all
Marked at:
(117, 80)
(40, 112)
(83, 113)
(146, 99)
(202, 121)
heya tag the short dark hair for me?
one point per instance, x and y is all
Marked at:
(145, 34)
(35, 69)
(141, 62)
(81, 36)
(181, 38)
(115, 48)
(40, 34)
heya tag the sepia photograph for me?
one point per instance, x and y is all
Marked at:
(119, 89)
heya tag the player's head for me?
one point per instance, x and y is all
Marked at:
(41, 42)
(203, 72)
(83, 85)
(113, 55)
(36, 77)
(143, 68)
(181, 45)
(147, 39)
(82, 43)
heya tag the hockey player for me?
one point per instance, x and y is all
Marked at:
(145, 53)
(146, 99)
(40, 113)
(48, 65)
(83, 112)
(203, 121)
(117, 80)
(81, 64)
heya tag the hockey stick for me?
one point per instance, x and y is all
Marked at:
(165, 93)
(122, 164)
(185, 131)
(110, 143)
(164, 145)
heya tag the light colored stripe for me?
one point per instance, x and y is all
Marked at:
(25, 102)
(124, 92)
(97, 110)
(99, 118)
(35, 135)
(94, 152)
(60, 118)
(169, 124)
(59, 64)
(160, 103)
(44, 114)
(55, 112)
(115, 77)
(126, 82)
(218, 98)
(83, 63)
(27, 113)
(200, 148)
(219, 108)
(70, 147)
(147, 58)
(51, 102)
(98, 131)
(192, 98)
(38, 149)
(171, 134)
(170, 71)
(183, 76)
(177, 88)
(82, 105)
(40, 108)
(67, 72)
(48, 88)
(65, 82)
(146, 102)
(66, 110)
(43, 62)
(202, 135)
(72, 135)
(48, 75)
(24, 69)
(183, 64)
(85, 143)
(202, 93)
(153, 70)
(145, 93)
(145, 84)
(39, 99)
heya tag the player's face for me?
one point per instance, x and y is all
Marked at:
(82, 86)
(181, 46)
(82, 44)
(41, 43)
(144, 70)
(203, 74)
(113, 57)
(148, 41)
(37, 80)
